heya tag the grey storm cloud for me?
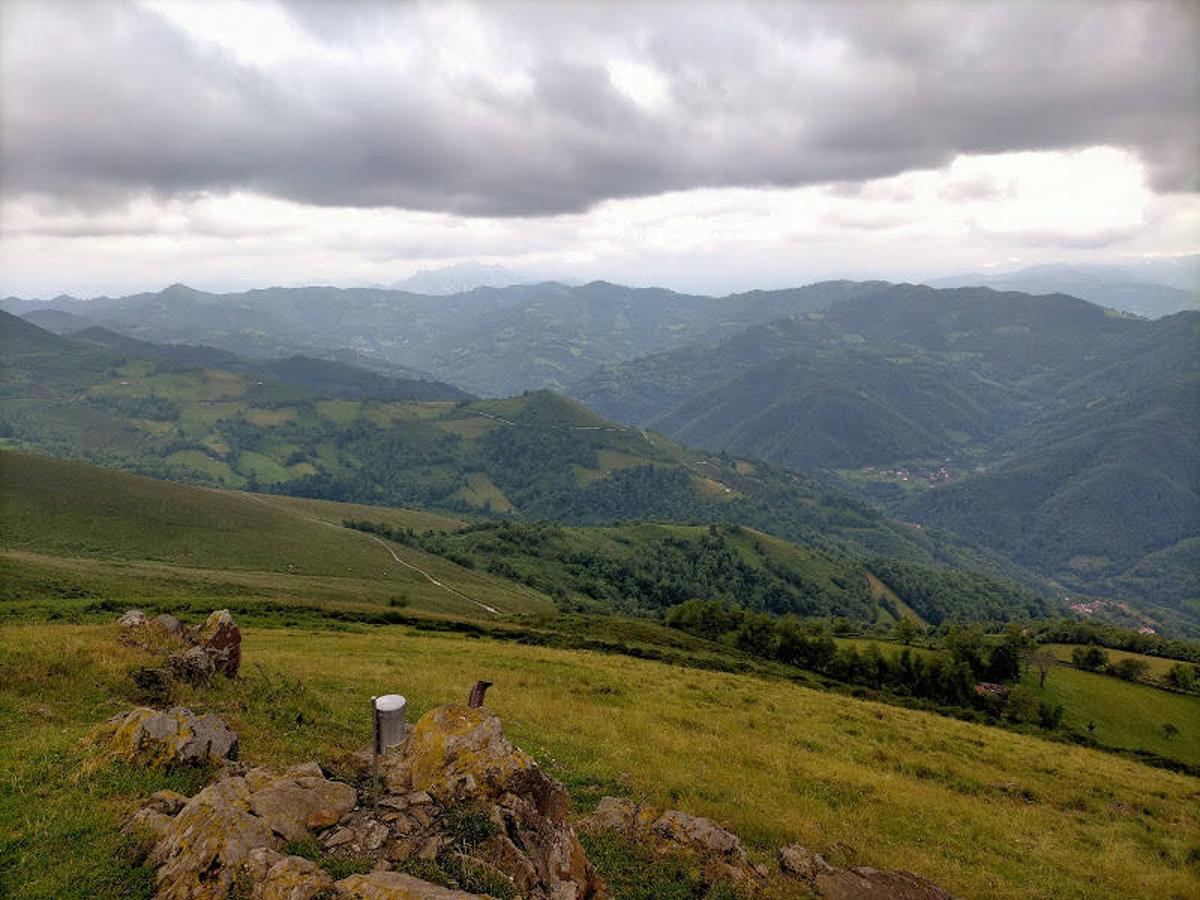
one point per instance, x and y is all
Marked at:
(104, 101)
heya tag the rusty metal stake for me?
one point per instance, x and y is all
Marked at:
(477, 693)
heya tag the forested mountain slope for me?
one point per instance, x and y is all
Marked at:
(1047, 428)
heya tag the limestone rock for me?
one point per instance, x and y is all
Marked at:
(222, 639)
(857, 883)
(202, 850)
(237, 824)
(170, 625)
(292, 804)
(396, 886)
(149, 737)
(802, 863)
(166, 802)
(670, 831)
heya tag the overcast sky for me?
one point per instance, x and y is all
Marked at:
(705, 147)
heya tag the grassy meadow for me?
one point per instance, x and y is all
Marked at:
(982, 811)
(73, 531)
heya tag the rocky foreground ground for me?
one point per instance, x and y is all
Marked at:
(455, 796)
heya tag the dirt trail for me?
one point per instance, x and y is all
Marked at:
(388, 547)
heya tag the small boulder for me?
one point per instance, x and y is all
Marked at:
(133, 618)
(203, 848)
(800, 862)
(397, 886)
(460, 753)
(148, 737)
(170, 625)
(222, 639)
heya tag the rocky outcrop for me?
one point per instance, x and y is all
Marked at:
(857, 882)
(461, 796)
(719, 851)
(192, 654)
(150, 737)
(203, 847)
(133, 618)
(457, 786)
(460, 753)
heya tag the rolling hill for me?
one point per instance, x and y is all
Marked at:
(537, 456)
(73, 532)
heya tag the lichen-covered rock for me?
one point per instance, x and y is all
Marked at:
(149, 737)
(278, 877)
(396, 886)
(170, 625)
(459, 753)
(215, 835)
(201, 851)
(222, 639)
(719, 851)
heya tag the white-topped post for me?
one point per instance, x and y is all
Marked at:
(387, 712)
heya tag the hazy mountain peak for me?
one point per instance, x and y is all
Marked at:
(460, 277)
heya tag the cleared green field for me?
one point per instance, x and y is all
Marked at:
(1125, 714)
(984, 812)
(1156, 666)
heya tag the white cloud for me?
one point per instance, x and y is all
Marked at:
(1086, 205)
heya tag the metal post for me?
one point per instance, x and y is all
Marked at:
(387, 713)
(375, 754)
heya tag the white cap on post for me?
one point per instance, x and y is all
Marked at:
(389, 713)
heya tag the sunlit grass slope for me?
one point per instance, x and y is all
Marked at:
(70, 530)
(985, 812)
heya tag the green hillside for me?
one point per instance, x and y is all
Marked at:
(74, 531)
(537, 456)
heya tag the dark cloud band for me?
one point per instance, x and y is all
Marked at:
(101, 101)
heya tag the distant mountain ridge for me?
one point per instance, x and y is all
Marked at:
(1152, 288)
(489, 341)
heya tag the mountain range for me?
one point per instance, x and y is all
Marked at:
(1047, 434)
